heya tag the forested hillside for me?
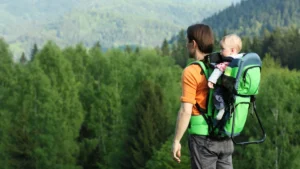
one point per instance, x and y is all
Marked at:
(114, 23)
(252, 17)
(80, 108)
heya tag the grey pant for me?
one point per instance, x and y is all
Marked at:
(207, 153)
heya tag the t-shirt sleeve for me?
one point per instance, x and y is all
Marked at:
(189, 81)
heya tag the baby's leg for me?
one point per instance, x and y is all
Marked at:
(219, 103)
(220, 114)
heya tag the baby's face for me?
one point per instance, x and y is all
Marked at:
(227, 50)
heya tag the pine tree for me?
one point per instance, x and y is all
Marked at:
(256, 46)
(23, 59)
(98, 45)
(92, 151)
(128, 49)
(32, 135)
(147, 130)
(165, 48)
(34, 51)
(7, 100)
(137, 50)
(69, 110)
(246, 45)
(179, 52)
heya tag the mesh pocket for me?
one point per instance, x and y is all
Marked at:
(239, 117)
(249, 82)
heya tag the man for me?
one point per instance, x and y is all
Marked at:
(206, 152)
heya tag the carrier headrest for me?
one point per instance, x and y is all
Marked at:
(215, 57)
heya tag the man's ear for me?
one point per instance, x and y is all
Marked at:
(195, 44)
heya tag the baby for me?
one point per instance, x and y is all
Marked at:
(231, 45)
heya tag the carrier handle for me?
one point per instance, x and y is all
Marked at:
(260, 124)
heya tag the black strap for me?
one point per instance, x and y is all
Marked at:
(252, 98)
(206, 118)
(245, 72)
(241, 95)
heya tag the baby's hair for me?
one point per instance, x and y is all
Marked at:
(232, 40)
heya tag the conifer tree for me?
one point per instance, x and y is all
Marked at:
(23, 59)
(34, 51)
(92, 153)
(146, 131)
(128, 49)
(246, 45)
(69, 110)
(7, 100)
(137, 50)
(256, 46)
(33, 135)
(165, 48)
(98, 45)
(179, 52)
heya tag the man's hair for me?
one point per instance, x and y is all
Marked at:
(203, 35)
(232, 40)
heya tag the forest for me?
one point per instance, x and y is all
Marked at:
(114, 22)
(252, 17)
(72, 105)
(83, 108)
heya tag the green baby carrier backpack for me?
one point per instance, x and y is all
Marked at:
(241, 80)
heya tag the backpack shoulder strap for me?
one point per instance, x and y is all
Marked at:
(204, 69)
(203, 125)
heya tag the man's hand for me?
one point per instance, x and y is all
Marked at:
(210, 85)
(176, 148)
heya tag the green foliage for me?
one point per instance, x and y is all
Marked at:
(68, 111)
(23, 59)
(253, 17)
(163, 160)
(281, 44)
(179, 52)
(7, 100)
(34, 126)
(34, 51)
(146, 132)
(165, 49)
(84, 108)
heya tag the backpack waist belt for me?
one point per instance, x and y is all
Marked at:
(198, 126)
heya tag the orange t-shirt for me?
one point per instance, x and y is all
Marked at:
(194, 87)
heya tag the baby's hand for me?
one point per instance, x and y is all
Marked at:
(210, 85)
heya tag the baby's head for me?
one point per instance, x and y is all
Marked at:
(230, 45)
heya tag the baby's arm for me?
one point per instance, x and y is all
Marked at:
(214, 77)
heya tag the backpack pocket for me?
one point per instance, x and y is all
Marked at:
(236, 123)
(249, 81)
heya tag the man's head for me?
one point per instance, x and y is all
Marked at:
(231, 45)
(200, 38)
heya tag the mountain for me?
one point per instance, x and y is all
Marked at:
(252, 17)
(114, 23)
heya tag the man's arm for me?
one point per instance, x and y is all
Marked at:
(189, 87)
(183, 119)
